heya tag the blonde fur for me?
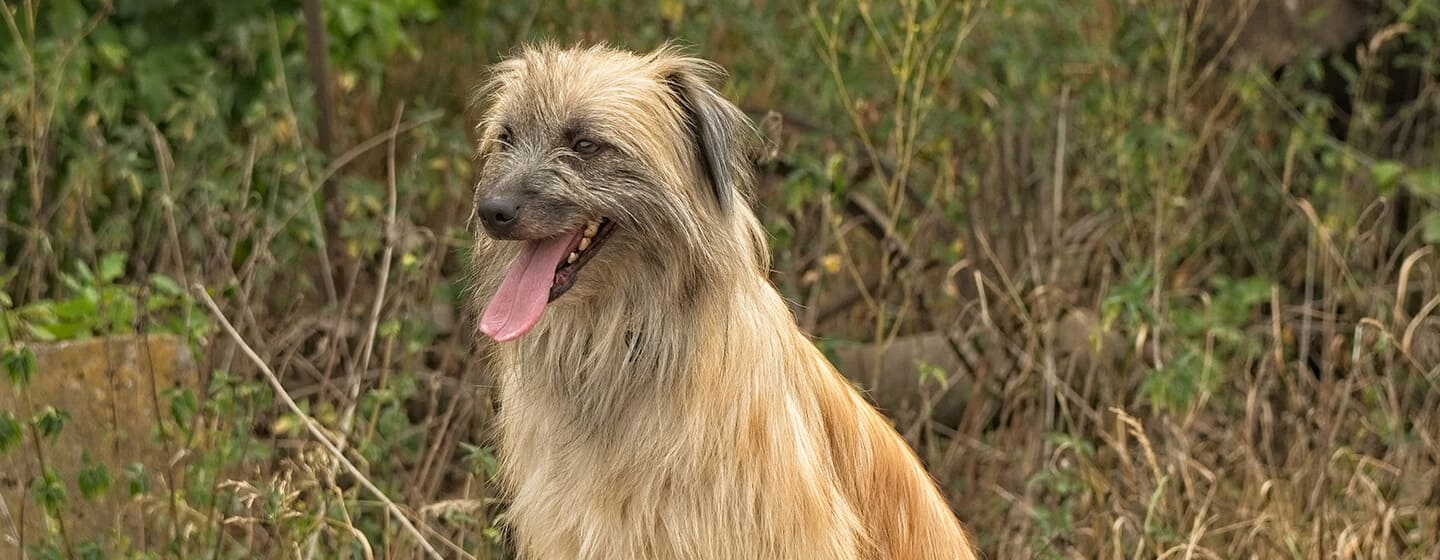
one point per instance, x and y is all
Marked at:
(667, 406)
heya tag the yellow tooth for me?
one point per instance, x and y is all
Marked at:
(592, 229)
(573, 257)
(584, 243)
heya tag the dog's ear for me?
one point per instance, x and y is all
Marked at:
(722, 133)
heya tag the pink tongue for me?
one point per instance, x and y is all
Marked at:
(520, 301)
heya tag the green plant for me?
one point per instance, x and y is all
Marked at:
(98, 305)
(1239, 250)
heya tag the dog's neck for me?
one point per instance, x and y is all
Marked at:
(642, 341)
(599, 358)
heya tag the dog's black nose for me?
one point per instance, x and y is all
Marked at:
(499, 214)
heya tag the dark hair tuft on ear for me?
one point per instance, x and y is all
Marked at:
(723, 135)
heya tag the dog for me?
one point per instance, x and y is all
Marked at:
(657, 400)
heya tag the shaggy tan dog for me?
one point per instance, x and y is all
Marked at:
(657, 399)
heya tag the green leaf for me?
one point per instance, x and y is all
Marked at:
(183, 405)
(1179, 383)
(50, 421)
(480, 460)
(49, 492)
(1386, 175)
(112, 53)
(19, 365)
(9, 430)
(137, 481)
(94, 478)
(112, 266)
(348, 18)
(1079, 444)
(91, 550)
(932, 371)
(835, 172)
(1430, 228)
(76, 310)
(1252, 290)
(41, 334)
(1425, 182)
(65, 17)
(81, 279)
(165, 285)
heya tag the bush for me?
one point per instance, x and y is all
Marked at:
(1243, 253)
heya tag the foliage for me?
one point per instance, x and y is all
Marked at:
(1255, 246)
(98, 305)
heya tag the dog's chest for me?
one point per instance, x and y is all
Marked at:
(653, 486)
(684, 453)
(618, 499)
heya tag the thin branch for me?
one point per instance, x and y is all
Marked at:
(314, 428)
(391, 235)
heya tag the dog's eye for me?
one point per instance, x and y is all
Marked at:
(585, 147)
(504, 138)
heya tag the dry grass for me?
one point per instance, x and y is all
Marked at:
(1188, 316)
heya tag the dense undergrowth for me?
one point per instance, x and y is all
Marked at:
(1192, 302)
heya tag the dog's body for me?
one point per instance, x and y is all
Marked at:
(665, 406)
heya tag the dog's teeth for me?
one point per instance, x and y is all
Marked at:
(592, 229)
(584, 243)
(573, 257)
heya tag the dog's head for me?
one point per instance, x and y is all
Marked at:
(601, 169)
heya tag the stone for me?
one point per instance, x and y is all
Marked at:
(108, 386)
(1273, 33)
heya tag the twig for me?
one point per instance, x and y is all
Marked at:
(312, 427)
(340, 163)
(1057, 181)
(163, 164)
(1416, 322)
(326, 272)
(348, 417)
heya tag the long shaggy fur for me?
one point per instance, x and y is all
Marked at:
(667, 406)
